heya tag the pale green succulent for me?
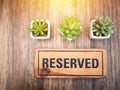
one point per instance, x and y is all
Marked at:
(70, 27)
(39, 28)
(102, 26)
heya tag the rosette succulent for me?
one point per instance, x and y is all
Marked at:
(39, 28)
(70, 27)
(102, 26)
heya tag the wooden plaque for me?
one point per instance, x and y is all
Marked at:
(70, 63)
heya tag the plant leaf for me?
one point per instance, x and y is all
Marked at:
(69, 35)
(74, 37)
(36, 34)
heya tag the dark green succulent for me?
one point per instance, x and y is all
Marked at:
(39, 28)
(70, 27)
(102, 26)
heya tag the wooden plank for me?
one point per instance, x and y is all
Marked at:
(70, 63)
(17, 48)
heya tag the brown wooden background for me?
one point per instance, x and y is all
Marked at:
(17, 49)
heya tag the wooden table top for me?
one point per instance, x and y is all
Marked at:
(17, 49)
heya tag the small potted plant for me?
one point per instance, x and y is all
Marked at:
(101, 28)
(70, 28)
(40, 29)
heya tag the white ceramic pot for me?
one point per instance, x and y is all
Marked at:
(70, 39)
(41, 37)
(92, 36)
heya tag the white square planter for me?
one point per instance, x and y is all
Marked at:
(41, 37)
(70, 39)
(92, 36)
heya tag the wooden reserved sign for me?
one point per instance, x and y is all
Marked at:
(70, 63)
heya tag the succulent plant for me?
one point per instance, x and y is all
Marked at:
(102, 26)
(70, 27)
(39, 28)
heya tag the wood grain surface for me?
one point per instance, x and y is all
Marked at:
(17, 49)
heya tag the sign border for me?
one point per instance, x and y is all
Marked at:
(69, 51)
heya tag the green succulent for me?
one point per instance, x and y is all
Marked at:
(70, 27)
(39, 28)
(102, 26)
